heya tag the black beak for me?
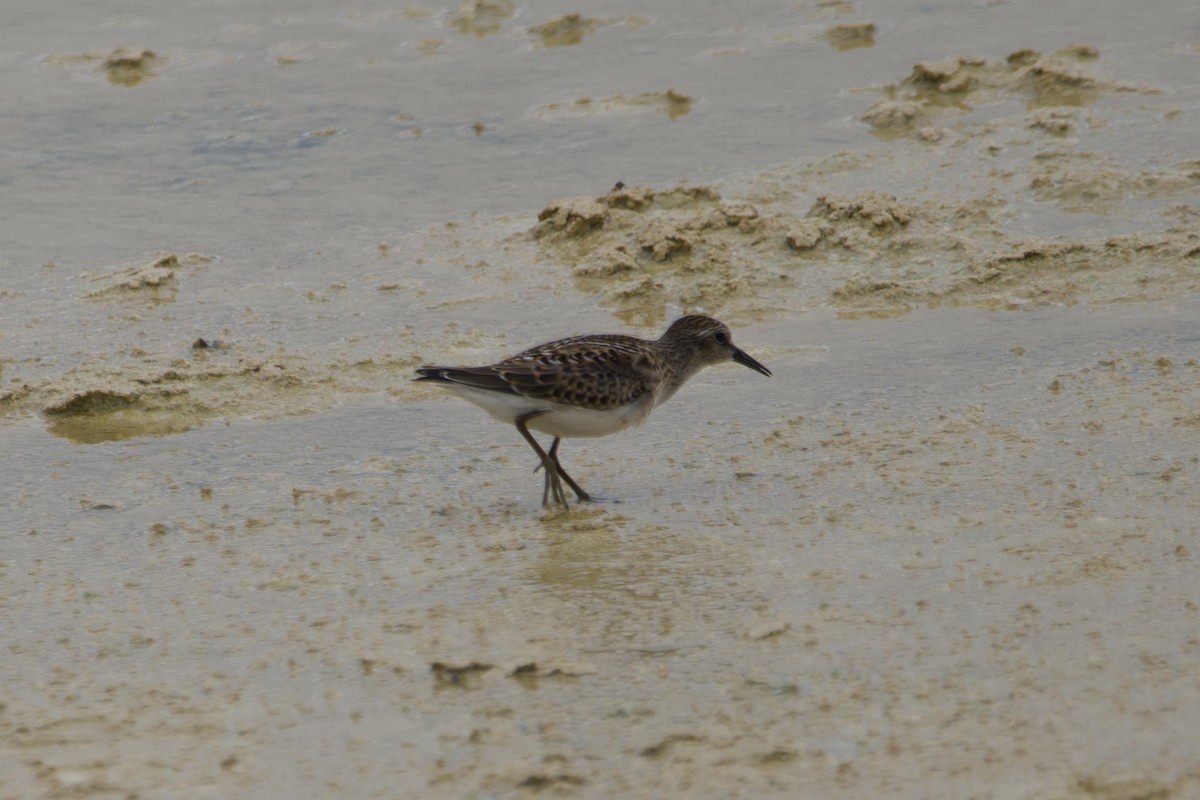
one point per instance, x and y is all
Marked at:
(740, 357)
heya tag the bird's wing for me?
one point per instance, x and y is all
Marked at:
(599, 372)
(593, 382)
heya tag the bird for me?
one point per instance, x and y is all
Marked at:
(592, 385)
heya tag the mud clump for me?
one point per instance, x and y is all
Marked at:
(1081, 181)
(91, 401)
(458, 675)
(1063, 78)
(636, 198)
(90, 405)
(851, 36)
(573, 218)
(129, 67)
(898, 116)
(481, 17)
(948, 76)
(154, 281)
(570, 29)
(564, 31)
(842, 221)
(1058, 123)
(641, 248)
(125, 66)
(644, 250)
(673, 103)
(665, 242)
(878, 211)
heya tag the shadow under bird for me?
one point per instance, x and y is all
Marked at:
(590, 385)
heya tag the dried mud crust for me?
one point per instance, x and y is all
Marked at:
(643, 251)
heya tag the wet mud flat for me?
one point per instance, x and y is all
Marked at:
(989, 541)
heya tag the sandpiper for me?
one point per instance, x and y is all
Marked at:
(590, 385)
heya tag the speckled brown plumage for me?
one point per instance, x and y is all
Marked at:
(590, 385)
(598, 372)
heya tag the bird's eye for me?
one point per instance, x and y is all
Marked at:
(721, 337)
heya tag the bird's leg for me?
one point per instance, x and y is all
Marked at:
(580, 493)
(546, 485)
(553, 484)
(546, 473)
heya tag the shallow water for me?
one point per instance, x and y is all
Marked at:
(948, 549)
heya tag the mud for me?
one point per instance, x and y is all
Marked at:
(564, 31)
(481, 17)
(124, 66)
(1066, 77)
(851, 36)
(670, 102)
(644, 251)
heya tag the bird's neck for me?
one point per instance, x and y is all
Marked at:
(677, 366)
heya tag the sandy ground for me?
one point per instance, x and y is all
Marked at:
(948, 550)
